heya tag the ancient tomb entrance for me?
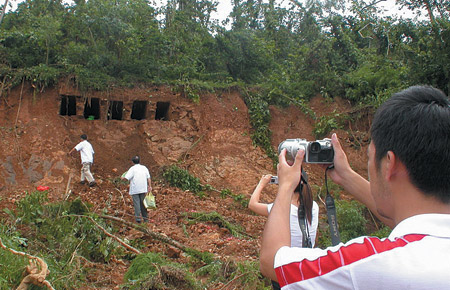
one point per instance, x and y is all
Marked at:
(68, 106)
(115, 110)
(92, 109)
(138, 110)
(162, 111)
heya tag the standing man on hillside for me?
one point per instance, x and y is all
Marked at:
(140, 184)
(409, 189)
(87, 158)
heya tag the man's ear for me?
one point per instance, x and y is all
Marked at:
(393, 166)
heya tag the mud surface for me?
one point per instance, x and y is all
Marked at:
(212, 140)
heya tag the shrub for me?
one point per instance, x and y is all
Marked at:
(181, 178)
(326, 124)
(351, 220)
(258, 109)
(153, 271)
(216, 218)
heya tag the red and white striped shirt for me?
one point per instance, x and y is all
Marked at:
(416, 255)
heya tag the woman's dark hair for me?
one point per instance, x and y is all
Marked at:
(305, 195)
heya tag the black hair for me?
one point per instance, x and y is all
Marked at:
(136, 159)
(83, 136)
(415, 125)
(305, 195)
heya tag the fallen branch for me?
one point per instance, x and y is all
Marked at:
(124, 203)
(68, 190)
(134, 250)
(232, 281)
(192, 146)
(156, 236)
(37, 270)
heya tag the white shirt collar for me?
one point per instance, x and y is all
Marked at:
(432, 224)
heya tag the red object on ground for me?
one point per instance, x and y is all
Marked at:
(43, 188)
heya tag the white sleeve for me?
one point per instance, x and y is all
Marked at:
(269, 207)
(79, 146)
(129, 174)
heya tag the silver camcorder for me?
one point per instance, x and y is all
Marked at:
(319, 151)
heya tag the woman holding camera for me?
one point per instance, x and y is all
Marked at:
(301, 199)
(306, 199)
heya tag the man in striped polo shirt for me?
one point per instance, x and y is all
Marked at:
(409, 190)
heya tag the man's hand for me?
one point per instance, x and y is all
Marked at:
(277, 231)
(352, 182)
(342, 168)
(289, 174)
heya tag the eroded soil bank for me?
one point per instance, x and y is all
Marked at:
(211, 139)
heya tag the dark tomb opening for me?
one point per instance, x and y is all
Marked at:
(92, 109)
(115, 110)
(138, 110)
(68, 106)
(162, 111)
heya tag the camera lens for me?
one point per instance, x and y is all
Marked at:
(315, 147)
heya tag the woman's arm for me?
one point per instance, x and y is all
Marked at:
(254, 204)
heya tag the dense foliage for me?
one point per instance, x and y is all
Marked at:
(181, 178)
(73, 242)
(298, 51)
(279, 55)
(284, 54)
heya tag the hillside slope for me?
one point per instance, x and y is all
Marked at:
(211, 139)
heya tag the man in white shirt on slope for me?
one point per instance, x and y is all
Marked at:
(87, 158)
(140, 184)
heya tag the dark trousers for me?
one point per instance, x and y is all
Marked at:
(139, 208)
(275, 285)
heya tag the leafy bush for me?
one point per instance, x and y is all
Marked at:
(258, 109)
(383, 232)
(70, 237)
(326, 124)
(375, 80)
(153, 271)
(246, 275)
(351, 220)
(181, 178)
(11, 266)
(214, 217)
(43, 75)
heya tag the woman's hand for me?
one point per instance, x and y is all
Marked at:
(265, 179)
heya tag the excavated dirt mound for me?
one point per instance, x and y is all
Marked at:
(211, 139)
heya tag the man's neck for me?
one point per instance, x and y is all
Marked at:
(409, 201)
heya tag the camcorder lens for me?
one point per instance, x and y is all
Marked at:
(315, 147)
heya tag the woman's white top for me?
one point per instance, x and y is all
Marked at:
(296, 232)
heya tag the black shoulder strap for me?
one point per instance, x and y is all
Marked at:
(306, 239)
(331, 213)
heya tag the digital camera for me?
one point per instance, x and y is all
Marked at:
(273, 180)
(319, 151)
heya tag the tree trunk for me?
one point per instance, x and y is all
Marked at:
(3, 11)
